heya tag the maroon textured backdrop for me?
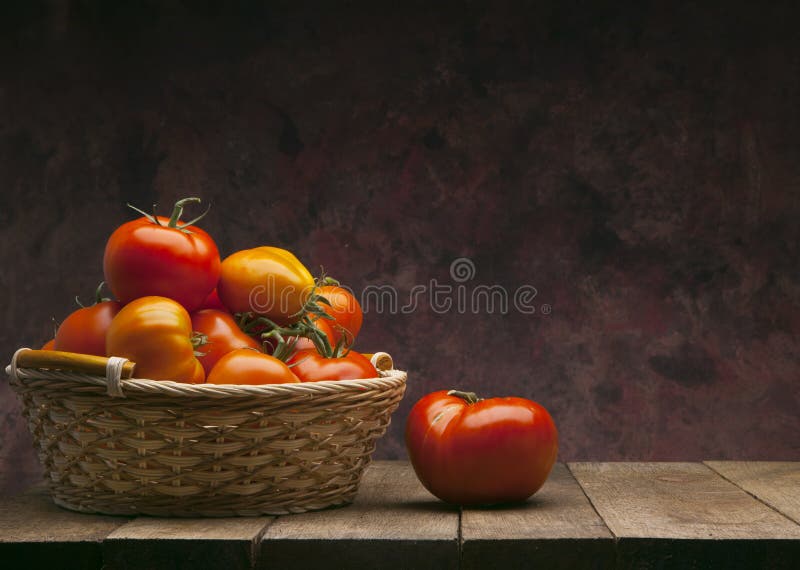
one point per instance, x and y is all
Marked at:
(638, 165)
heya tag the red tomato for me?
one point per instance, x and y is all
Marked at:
(245, 366)
(157, 256)
(311, 366)
(223, 335)
(483, 452)
(213, 302)
(84, 331)
(345, 310)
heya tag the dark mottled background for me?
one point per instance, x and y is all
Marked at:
(639, 164)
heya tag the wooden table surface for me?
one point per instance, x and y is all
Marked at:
(716, 514)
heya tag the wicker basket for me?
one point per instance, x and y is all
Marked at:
(127, 447)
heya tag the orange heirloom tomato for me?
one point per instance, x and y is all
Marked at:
(267, 281)
(468, 451)
(50, 345)
(246, 366)
(345, 310)
(222, 335)
(156, 334)
(84, 331)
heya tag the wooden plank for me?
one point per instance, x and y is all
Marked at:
(678, 515)
(777, 483)
(393, 523)
(35, 533)
(155, 543)
(556, 528)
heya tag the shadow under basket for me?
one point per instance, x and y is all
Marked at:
(132, 446)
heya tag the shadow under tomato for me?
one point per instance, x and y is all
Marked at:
(432, 506)
(531, 503)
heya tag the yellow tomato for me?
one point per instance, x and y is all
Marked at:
(267, 281)
(156, 334)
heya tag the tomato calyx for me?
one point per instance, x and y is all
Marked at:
(98, 297)
(286, 337)
(469, 397)
(177, 212)
(313, 304)
(199, 339)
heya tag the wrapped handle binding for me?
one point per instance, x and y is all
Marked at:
(71, 361)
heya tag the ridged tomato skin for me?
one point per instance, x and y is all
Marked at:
(493, 451)
(156, 334)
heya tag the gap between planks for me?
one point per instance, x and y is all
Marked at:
(557, 527)
(686, 515)
(774, 483)
(393, 521)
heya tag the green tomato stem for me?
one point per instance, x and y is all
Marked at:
(177, 211)
(469, 397)
(199, 339)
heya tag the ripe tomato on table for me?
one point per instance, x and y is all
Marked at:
(247, 366)
(158, 256)
(311, 366)
(219, 335)
(468, 451)
(156, 334)
(267, 281)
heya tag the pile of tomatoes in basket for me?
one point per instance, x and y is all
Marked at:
(182, 314)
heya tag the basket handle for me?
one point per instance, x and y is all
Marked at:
(70, 361)
(381, 361)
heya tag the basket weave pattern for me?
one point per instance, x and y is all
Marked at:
(173, 449)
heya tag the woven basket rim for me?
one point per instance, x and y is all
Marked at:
(141, 385)
(386, 379)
